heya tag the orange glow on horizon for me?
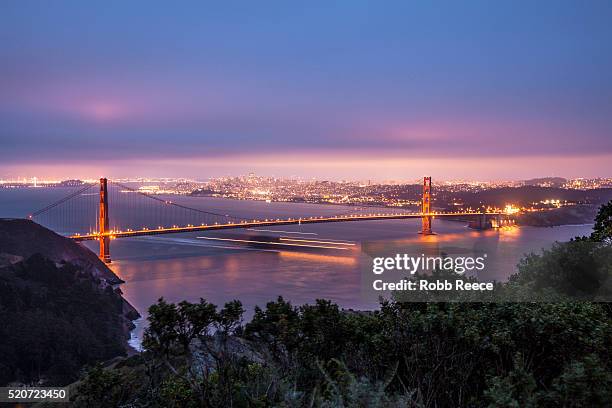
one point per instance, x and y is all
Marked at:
(323, 165)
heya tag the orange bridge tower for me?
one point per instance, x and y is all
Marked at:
(104, 229)
(426, 207)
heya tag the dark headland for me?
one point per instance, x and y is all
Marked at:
(62, 289)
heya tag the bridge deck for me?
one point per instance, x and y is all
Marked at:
(268, 223)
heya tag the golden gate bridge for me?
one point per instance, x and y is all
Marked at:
(109, 210)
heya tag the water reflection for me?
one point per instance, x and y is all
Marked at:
(318, 258)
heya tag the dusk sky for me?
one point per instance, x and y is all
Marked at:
(342, 89)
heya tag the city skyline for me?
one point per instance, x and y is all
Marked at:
(349, 91)
(572, 183)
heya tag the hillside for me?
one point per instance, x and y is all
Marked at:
(59, 308)
(529, 194)
(20, 239)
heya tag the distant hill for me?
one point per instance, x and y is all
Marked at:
(203, 192)
(528, 194)
(546, 182)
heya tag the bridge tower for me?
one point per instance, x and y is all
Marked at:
(426, 207)
(104, 228)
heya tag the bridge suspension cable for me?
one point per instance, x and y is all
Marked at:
(61, 201)
(78, 212)
(74, 213)
(129, 208)
(172, 203)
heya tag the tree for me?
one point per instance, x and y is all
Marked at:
(579, 269)
(602, 230)
(229, 319)
(100, 388)
(184, 338)
(171, 325)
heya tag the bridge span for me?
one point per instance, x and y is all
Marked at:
(113, 234)
(95, 208)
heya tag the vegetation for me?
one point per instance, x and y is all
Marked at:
(54, 321)
(457, 354)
